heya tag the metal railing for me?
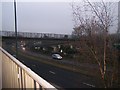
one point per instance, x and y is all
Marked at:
(35, 35)
(17, 75)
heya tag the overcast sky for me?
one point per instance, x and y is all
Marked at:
(41, 17)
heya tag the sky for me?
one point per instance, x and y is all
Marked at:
(40, 16)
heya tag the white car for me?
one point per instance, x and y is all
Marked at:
(56, 56)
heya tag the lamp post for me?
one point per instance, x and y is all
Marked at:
(16, 28)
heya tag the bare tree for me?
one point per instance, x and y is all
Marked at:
(94, 20)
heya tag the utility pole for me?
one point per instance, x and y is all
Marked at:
(15, 12)
(118, 33)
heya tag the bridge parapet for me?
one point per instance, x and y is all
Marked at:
(17, 75)
(34, 35)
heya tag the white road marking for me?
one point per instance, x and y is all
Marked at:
(52, 72)
(88, 84)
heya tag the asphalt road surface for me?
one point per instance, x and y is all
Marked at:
(60, 78)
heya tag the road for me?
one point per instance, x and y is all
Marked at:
(65, 61)
(60, 78)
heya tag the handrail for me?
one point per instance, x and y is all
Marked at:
(33, 75)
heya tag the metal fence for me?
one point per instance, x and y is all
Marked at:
(34, 35)
(17, 75)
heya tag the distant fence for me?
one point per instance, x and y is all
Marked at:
(17, 75)
(34, 35)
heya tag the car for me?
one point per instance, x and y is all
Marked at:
(56, 56)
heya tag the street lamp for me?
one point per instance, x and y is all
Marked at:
(16, 28)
